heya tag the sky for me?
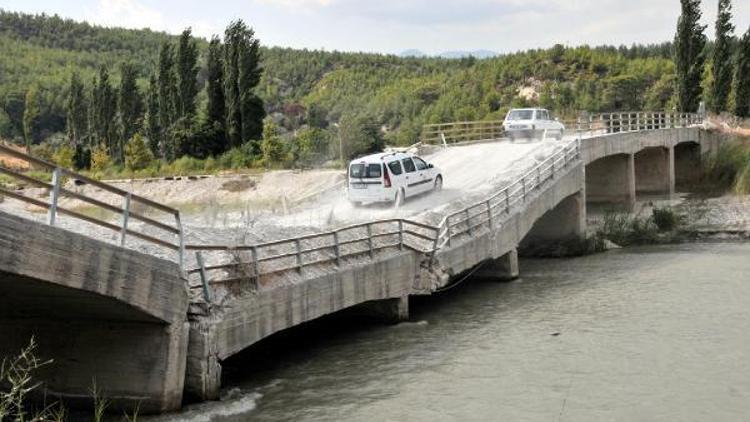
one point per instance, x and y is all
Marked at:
(392, 26)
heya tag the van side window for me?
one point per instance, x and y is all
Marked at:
(395, 167)
(409, 165)
(421, 165)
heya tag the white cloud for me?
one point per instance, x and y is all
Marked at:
(133, 14)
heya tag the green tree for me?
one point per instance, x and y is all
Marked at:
(722, 58)
(77, 113)
(130, 107)
(187, 72)
(360, 135)
(103, 112)
(137, 154)
(32, 110)
(690, 42)
(153, 126)
(242, 74)
(271, 146)
(216, 111)
(742, 78)
(167, 99)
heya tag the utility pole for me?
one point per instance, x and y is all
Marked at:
(341, 146)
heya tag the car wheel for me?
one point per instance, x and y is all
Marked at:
(399, 199)
(438, 184)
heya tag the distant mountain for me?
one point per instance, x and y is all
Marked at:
(458, 54)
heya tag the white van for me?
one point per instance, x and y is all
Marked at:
(532, 123)
(391, 177)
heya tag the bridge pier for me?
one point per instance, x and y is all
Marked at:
(504, 268)
(611, 180)
(655, 171)
(390, 311)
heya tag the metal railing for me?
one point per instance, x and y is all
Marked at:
(452, 133)
(492, 211)
(601, 123)
(249, 263)
(636, 121)
(125, 210)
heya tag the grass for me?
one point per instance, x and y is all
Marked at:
(729, 168)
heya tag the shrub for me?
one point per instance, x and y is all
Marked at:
(99, 158)
(666, 219)
(63, 157)
(138, 156)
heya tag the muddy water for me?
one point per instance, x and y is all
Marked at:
(658, 334)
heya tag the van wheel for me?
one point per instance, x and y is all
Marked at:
(399, 199)
(438, 184)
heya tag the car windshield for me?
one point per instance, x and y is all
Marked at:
(365, 171)
(521, 115)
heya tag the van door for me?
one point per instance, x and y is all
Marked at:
(398, 177)
(411, 178)
(425, 175)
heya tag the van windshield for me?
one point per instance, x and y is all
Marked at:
(365, 171)
(521, 115)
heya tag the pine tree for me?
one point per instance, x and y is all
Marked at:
(216, 107)
(690, 57)
(245, 111)
(187, 72)
(153, 127)
(167, 99)
(742, 78)
(722, 60)
(77, 114)
(137, 154)
(32, 110)
(130, 107)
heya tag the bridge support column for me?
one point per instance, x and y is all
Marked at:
(390, 311)
(654, 171)
(203, 369)
(504, 268)
(611, 180)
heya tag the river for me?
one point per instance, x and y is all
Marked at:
(653, 333)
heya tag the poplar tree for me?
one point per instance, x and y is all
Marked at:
(32, 110)
(242, 73)
(722, 60)
(77, 114)
(153, 128)
(130, 107)
(187, 72)
(690, 57)
(216, 109)
(104, 104)
(167, 98)
(742, 78)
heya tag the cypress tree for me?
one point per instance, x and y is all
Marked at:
(722, 60)
(216, 111)
(104, 113)
(187, 72)
(31, 113)
(153, 128)
(690, 57)
(245, 111)
(77, 114)
(130, 107)
(167, 99)
(742, 78)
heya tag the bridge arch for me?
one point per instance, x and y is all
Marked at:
(687, 165)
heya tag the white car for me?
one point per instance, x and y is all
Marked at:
(391, 177)
(532, 123)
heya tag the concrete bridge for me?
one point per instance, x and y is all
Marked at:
(123, 318)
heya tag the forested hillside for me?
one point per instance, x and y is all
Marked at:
(306, 90)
